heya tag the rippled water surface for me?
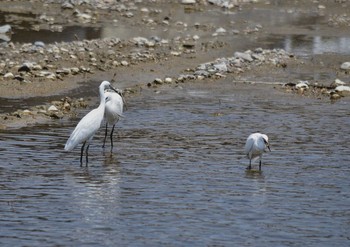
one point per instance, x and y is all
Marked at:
(177, 175)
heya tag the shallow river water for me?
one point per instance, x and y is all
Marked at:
(177, 174)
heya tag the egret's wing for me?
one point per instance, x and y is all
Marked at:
(85, 129)
(248, 145)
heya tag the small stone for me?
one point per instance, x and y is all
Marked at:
(203, 73)
(220, 31)
(39, 44)
(175, 53)
(221, 67)
(66, 106)
(74, 70)
(24, 68)
(124, 63)
(56, 115)
(168, 80)
(37, 67)
(52, 108)
(158, 81)
(235, 31)
(188, 45)
(302, 85)
(26, 112)
(258, 57)
(195, 37)
(188, 1)
(8, 75)
(67, 5)
(345, 66)
(334, 96)
(244, 56)
(65, 71)
(343, 90)
(42, 112)
(129, 14)
(337, 82)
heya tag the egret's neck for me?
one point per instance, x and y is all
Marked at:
(102, 97)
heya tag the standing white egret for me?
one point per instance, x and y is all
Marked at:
(255, 147)
(88, 125)
(113, 112)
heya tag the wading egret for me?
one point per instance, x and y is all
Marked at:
(88, 125)
(255, 147)
(113, 112)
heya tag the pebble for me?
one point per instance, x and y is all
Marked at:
(244, 56)
(224, 3)
(345, 66)
(220, 31)
(74, 70)
(24, 68)
(39, 44)
(168, 80)
(343, 90)
(188, 1)
(124, 63)
(158, 81)
(52, 108)
(8, 75)
(337, 82)
(221, 67)
(302, 85)
(26, 112)
(334, 96)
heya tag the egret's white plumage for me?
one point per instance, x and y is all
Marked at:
(113, 112)
(255, 146)
(88, 125)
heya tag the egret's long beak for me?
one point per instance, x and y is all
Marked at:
(115, 90)
(268, 146)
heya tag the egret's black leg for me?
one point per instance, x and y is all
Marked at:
(112, 137)
(260, 165)
(104, 141)
(81, 154)
(87, 154)
(250, 165)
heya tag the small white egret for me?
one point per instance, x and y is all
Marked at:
(255, 147)
(113, 112)
(88, 125)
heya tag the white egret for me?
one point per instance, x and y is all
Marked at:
(88, 125)
(113, 112)
(255, 147)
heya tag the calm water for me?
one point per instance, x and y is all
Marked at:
(177, 175)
